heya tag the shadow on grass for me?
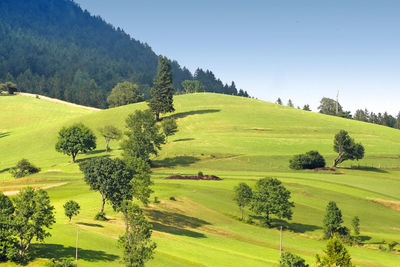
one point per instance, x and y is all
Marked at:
(365, 168)
(4, 170)
(50, 251)
(89, 158)
(90, 224)
(5, 134)
(295, 227)
(193, 112)
(175, 161)
(183, 140)
(364, 238)
(97, 151)
(175, 223)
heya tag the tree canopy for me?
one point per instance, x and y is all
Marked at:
(75, 139)
(346, 148)
(336, 254)
(243, 196)
(333, 219)
(192, 86)
(71, 208)
(110, 132)
(169, 127)
(124, 93)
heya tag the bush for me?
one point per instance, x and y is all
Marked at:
(62, 262)
(23, 168)
(291, 260)
(309, 160)
(172, 198)
(391, 245)
(100, 216)
(200, 174)
(156, 200)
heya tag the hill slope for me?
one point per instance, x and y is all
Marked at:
(238, 139)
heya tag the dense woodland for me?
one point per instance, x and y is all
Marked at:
(54, 48)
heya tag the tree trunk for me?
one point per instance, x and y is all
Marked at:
(337, 160)
(103, 201)
(241, 207)
(73, 158)
(107, 145)
(157, 116)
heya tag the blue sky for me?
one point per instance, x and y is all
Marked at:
(298, 49)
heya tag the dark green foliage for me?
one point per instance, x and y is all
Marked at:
(212, 84)
(391, 245)
(10, 87)
(328, 106)
(141, 179)
(291, 260)
(8, 242)
(62, 262)
(100, 216)
(124, 93)
(278, 101)
(243, 196)
(355, 223)
(144, 137)
(23, 168)
(271, 198)
(290, 103)
(333, 220)
(169, 127)
(336, 254)
(110, 132)
(71, 208)
(192, 86)
(135, 242)
(346, 148)
(309, 160)
(33, 214)
(75, 139)
(200, 174)
(163, 91)
(307, 107)
(110, 177)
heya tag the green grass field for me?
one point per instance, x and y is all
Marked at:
(238, 139)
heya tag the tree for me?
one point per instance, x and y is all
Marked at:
(291, 260)
(33, 214)
(332, 220)
(346, 148)
(361, 115)
(10, 87)
(144, 137)
(23, 168)
(71, 208)
(162, 92)
(278, 101)
(110, 132)
(192, 86)
(328, 106)
(243, 196)
(355, 223)
(307, 107)
(136, 243)
(271, 197)
(290, 103)
(110, 177)
(397, 125)
(336, 254)
(310, 160)
(8, 243)
(124, 93)
(169, 127)
(75, 139)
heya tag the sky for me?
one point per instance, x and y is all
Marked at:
(301, 50)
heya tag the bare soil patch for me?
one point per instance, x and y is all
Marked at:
(197, 177)
(14, 192)
(395, 205)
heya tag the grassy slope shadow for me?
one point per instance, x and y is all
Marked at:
(50, 251)
(174, 161)
(193, 112)
(175, 223)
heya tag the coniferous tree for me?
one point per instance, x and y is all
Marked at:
(290, 103)
(336, 254)
(162, 92)
(333, 219)
(278, 101)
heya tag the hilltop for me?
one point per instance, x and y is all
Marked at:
(237, 139)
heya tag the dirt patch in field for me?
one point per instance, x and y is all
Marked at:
(197, 177)
(14, 192)
(261, 129)
(395, 205)
(324, 169)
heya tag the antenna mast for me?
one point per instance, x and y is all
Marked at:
(337, 102)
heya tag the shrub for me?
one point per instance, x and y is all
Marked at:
(23, 168)
(200, 174)
(156, 200)
(391, 245)
(310, 160)
(100, 216)
(172, 198)
(291, 260)
(62, 262)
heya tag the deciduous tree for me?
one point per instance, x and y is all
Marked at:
(346, 148)
(192, 86)
(110, 132)
(243, 196)
(124, 93)
(289, 259)
(169, 127)
(71, 208)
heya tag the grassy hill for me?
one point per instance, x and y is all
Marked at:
(238, 139)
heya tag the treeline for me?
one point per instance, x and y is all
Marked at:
(54, 48)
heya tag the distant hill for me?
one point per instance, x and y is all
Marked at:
(54, 48)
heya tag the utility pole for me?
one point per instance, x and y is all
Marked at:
(337, 102)
(280, 246)
(76, 252)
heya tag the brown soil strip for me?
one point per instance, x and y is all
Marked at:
(14, 192)
(204, 177)
(395, 205)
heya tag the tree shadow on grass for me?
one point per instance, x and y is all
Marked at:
(175, 223)
(4, 170)
(97, 151)
(295, 227)
(90, 224)
(193, 112)
(183, 140)
(364, 238)
(175, 161)
(89, 158)
(50, 251)
(4, 134)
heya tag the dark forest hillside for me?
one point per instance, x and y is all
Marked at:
(53, 47)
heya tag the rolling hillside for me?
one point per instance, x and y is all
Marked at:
(238, 139)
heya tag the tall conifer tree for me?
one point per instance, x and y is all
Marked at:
(162, 91)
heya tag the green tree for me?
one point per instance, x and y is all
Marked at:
(141, 181)
(10, 87)
(75, 139)
(144, 137)
(136, 243)
(271, 197)
(23, 168)
(124, 93)
(397, 124)
(333, 219)
(310, 160)
(110, 132)
(346, 148)
(243, 196)
(8, 243)
(336, 254)
(306, 107)
(290, 103)
(110, 177)
(162, 92)
(192, 86)
(169, 127)
(291, 260)
(355, 223)
(71, 208)
(278, 101)
(328, 106)
(33, 214)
